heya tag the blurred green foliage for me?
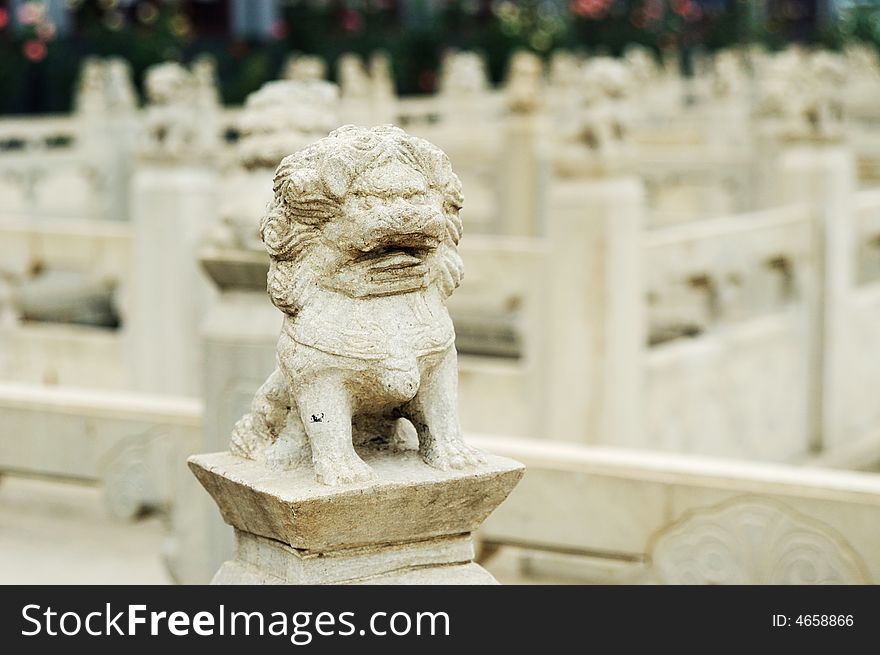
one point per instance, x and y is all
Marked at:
(38, 69)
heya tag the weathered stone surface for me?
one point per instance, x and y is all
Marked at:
(409, 502)
(235, 572)
(277, 563)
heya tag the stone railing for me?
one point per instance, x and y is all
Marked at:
(717, 302)
(729, 324)
(581, 514)
(130, 443)
(89, 261)
(65, 167)
(133, 445)
(609, 516)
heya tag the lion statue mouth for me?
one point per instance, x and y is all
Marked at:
(394, 257)
(394, 268)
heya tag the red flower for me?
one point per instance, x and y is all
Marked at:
(351, 20)
(590, 8)
(46, 31)
(653, 10)
(30, 13)
(686, 8)
(278, 30)
(34, 50)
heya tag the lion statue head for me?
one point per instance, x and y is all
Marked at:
(366, 212)
(168, 83)
(283, 116)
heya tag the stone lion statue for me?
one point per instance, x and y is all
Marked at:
(362, 236)
(525, 82)
(171, 124)
(284, 116)
(802, 93)
(593, 121)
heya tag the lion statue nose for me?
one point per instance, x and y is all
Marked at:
(403, 219)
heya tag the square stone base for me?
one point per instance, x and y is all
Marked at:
(412, 525)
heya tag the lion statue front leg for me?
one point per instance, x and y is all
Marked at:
(434, 414)
(325, 408)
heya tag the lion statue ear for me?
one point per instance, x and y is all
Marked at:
(439, 163)
(276, 232)
(336, 174)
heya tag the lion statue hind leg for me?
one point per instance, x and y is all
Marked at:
(270, 431)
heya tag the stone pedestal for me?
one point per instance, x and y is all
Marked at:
(412, 525)
(239, 333)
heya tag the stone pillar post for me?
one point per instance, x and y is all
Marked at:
(238, 334)
(524, 175)
(173, 203)
(596, 305)
(174, 199)
(823, 175)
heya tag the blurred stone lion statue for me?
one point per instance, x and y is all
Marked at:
(169, 124)
(362, 236)
(178, 121)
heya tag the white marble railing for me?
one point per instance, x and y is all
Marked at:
(131, 443)
(728, 303)
(687, 183)
(501, 333)
(719, 294)
(603, 515)
(84, 173)
(859, 337)
(581, 513)
(867, 235)
(39, 133)
(100, 248)
(64, 167)
(97, 256)
(737, 265)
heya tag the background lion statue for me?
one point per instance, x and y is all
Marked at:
(362, 235)
(170, 126)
